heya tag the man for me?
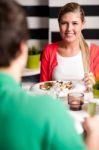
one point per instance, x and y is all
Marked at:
(27, 122)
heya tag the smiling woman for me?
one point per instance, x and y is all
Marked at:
(71, 58)
(91, 29)
(70, 26)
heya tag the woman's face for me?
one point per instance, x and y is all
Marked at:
(70, 26)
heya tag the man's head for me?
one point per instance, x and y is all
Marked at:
(13, 31)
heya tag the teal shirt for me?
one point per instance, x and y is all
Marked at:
(30, 122)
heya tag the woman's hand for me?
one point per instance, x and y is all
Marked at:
(89, 79)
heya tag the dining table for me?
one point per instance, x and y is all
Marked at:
(78, 116)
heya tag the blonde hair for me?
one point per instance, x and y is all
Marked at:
(85, 54)
(75, 7)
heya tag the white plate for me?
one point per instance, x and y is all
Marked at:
(77, 87)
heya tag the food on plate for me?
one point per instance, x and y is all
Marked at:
(65, 85)
(46, 85)
(59, 84)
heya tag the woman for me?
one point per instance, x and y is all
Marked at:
(71, 58)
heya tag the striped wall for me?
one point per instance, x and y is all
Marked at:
(43, 25)
(91, 8)
(37, 16)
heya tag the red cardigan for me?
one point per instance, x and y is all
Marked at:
(49, 61)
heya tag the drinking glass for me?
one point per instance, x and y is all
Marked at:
(75, 101)
(91, 106)
(91, 109)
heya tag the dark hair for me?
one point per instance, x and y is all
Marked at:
(71, 7)
(13, 30)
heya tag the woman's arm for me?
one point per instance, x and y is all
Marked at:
(44, 69)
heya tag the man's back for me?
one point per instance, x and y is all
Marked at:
(33, 122)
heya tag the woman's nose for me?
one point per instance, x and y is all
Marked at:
(69, 27)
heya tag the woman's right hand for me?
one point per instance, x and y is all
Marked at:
(89, 80)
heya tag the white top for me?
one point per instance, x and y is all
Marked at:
(69, 68)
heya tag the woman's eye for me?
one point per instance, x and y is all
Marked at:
(75, 23)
